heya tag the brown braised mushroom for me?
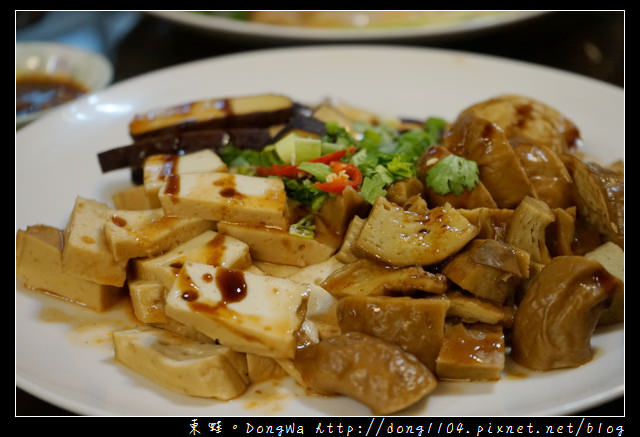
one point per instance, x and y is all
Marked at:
(401, 191)
(416, 325)
(547, 173)
(559, 312)
(365, 277)
(525, 119)
(599, 197)
(492, 222)
(377, 373)
(527, 228)
(479, 140)
(489, 269)
(478, 197)
(472, 352)
(337, 211)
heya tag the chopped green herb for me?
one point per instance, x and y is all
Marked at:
(337, 134)
(248, 159)
(304, 228)
(318, 170)
(373, 187)
(435, 126)
(305, 192)
(453, 174)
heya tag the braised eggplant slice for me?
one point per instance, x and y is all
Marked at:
(133, 155)
(559, 312)
(379, 374)
(303, 125)
(261, 110)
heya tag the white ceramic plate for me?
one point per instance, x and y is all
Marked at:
(63, 353)
(262, 32)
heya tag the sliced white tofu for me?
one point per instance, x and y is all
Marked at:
(209, 247)
(147, 301)
(182, 365)
(85, 253)
(133, 234)
(225, 196)
(250, 313)
(156, 168)
(279, 246)
(39, 267)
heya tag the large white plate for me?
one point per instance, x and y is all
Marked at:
(263, 32)
(63, 353)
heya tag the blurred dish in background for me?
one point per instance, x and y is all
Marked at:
(344, 25)
(51, 74)
(359, 19)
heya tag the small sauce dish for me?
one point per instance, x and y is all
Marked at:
(51, 74)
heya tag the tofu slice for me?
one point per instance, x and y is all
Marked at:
(134, 234)
(158, 167)
(182, 365)
(39, 267)
(147, 301)
(250, 313)
(134, 198)
(86, 253)
(209, 247)
(278, 246)
(321, 308)
(226, 197)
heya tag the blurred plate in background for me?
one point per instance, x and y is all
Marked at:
(348, 25)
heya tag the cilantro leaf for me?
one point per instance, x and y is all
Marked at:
(373, 187)
(453, 174)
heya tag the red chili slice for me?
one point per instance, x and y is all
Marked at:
(338, 184)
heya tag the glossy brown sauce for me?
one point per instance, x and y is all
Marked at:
(189, 295)
(39, 91)
(173, 186)
(169, 166)
(227, 186)
(231, 284)
(216, 249)
(118, 221)
(467, 347)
